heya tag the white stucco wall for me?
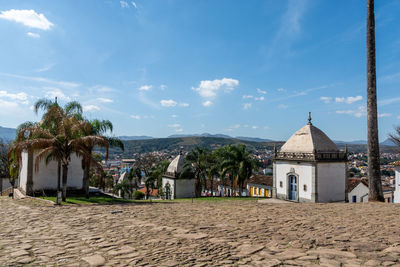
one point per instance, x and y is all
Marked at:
(171, 182)
(304, 173)
(331, 181)
(396, 198)
(360, 191)
(45, 177)
(23, 174)
(185, 188)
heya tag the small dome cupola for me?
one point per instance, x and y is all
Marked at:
(176, 166)
(309, 142)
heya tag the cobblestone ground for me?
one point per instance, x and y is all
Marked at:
(199, 234)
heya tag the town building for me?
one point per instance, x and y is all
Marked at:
(358, 190)
(175, 186)
(310, 168)
(260, 186)
(397, 183)
(45, 177)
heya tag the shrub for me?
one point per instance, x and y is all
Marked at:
(138, 195)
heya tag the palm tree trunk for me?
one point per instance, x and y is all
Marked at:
(58, 182)
(374, 176)
(86, 173)
(64, 182)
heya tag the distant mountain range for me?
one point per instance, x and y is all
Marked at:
(8, 134)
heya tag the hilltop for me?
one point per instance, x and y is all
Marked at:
(187, 143)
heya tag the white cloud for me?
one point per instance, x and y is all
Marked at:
(90, 108)
(209, 89)
(266, 127)
(163, 87)
(281, 89)
(185, 105)
(261, 98)
(104, 100)
(175, 125)
(101, 89)
(6, 105)
(207, 103)
(124, 4)
(388, 101)
(247, 106)
(55, 92)
(174, 116)
(247, 96)
(254, 127)
(136, 117)
(383, 115)
(179, 130)
(326, 99)
(134, 4)
(45, 68)
(42, 80)
(28, 18)
(168, 103)
(33, 35)
(19, 96)
(261, 91)
(348, 100)
(359, 112)
(145, 87)
(283, 106)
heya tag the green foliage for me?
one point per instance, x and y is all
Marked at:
(138, 195)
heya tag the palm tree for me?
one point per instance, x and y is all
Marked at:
(374, 175)
(238, 163)
(196, 164)
(72, 108)
(68, 136)
(98, 128)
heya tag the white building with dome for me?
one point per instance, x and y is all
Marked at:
(174, 186)
(310, 168)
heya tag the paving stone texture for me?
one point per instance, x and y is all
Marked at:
(231, 233)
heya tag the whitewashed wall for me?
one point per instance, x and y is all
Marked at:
(304, 172)
(361, 192)
(397, 186)
(331, 181)
(185, 188)
(23, 173)
(45, 177)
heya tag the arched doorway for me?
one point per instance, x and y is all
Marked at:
(293, 187)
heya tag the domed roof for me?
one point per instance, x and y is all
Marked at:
(176, 165)
(309, 139)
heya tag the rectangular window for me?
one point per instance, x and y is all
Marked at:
(354, 199)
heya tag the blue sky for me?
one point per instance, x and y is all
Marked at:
(243, 68)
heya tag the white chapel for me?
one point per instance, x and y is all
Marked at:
(310, 168)
(174, 186)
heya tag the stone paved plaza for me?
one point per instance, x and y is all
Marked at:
(202, 233)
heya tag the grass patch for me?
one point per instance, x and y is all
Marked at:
(91, 200)
(111, 200)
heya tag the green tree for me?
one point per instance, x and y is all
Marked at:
(196, 165)
(59, 136)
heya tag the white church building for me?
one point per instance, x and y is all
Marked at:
(309, 168)
(45, 177)
(174, 186)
